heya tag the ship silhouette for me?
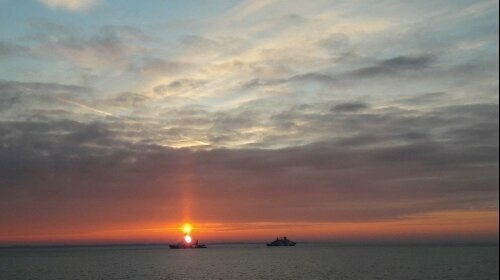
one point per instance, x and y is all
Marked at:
(281, 242)
(186, 245)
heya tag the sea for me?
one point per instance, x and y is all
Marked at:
(252, 261)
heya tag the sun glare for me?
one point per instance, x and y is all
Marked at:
(187, 238)
(187, 228)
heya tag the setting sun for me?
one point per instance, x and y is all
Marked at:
(187, 228)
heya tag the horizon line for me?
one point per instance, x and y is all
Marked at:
(341, 243)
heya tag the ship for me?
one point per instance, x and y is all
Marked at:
(187, 245)
(187, 242)
(281, 242)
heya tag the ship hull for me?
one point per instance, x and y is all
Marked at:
(178, 246)
(280, 245)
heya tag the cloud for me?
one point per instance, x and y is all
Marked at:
(349, 107)
(338, 45)
(200, 47)
(424, 98)
(44, 101)
(93, 52)
(126, 100)
(179, 87)
(115, 50)
(72, 5)
(392, 167)
(396, 65)
(247, 8)
(9, 50)
(152, 67)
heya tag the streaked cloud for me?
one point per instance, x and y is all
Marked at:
(83, 106)
(72, 5)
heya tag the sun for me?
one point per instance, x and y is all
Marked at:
(187, 228)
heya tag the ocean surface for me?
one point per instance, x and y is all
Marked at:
(305, 261)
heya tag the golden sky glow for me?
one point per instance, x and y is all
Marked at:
(187, 228)
(441, 226)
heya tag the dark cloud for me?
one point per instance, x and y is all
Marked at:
(126, 99)
(179, 86)
(396, 65)
(315, 78)
(15, 93)
(393, 67)
(349, 107)
(378, 159)
(294, 19)
(338, 45)
(424, 98)
(91, 133)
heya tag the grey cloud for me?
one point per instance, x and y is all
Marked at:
(321, 172)
(314, 77)
(156, 67)
(43, 28)
(389, 122)
(126, 48)
(109, 46)
(480, 70)
(424, 98)
(15, 93)
(42, 87)
(387, 156)
(121, 47)
(219, 46)
(395, 65)
(338, 45)
(236, 120)
(199, 43)
(178, 86)
(93, 132)
(8, 49)
(251, 84)
(349, 107)
(295, 19)
(126, 99)
(189, 117)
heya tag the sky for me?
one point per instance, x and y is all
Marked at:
(333, 120)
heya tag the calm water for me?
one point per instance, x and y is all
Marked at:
(306, 261)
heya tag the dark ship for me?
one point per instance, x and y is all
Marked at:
(187, 242)
(187, 245)
(281, 242)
